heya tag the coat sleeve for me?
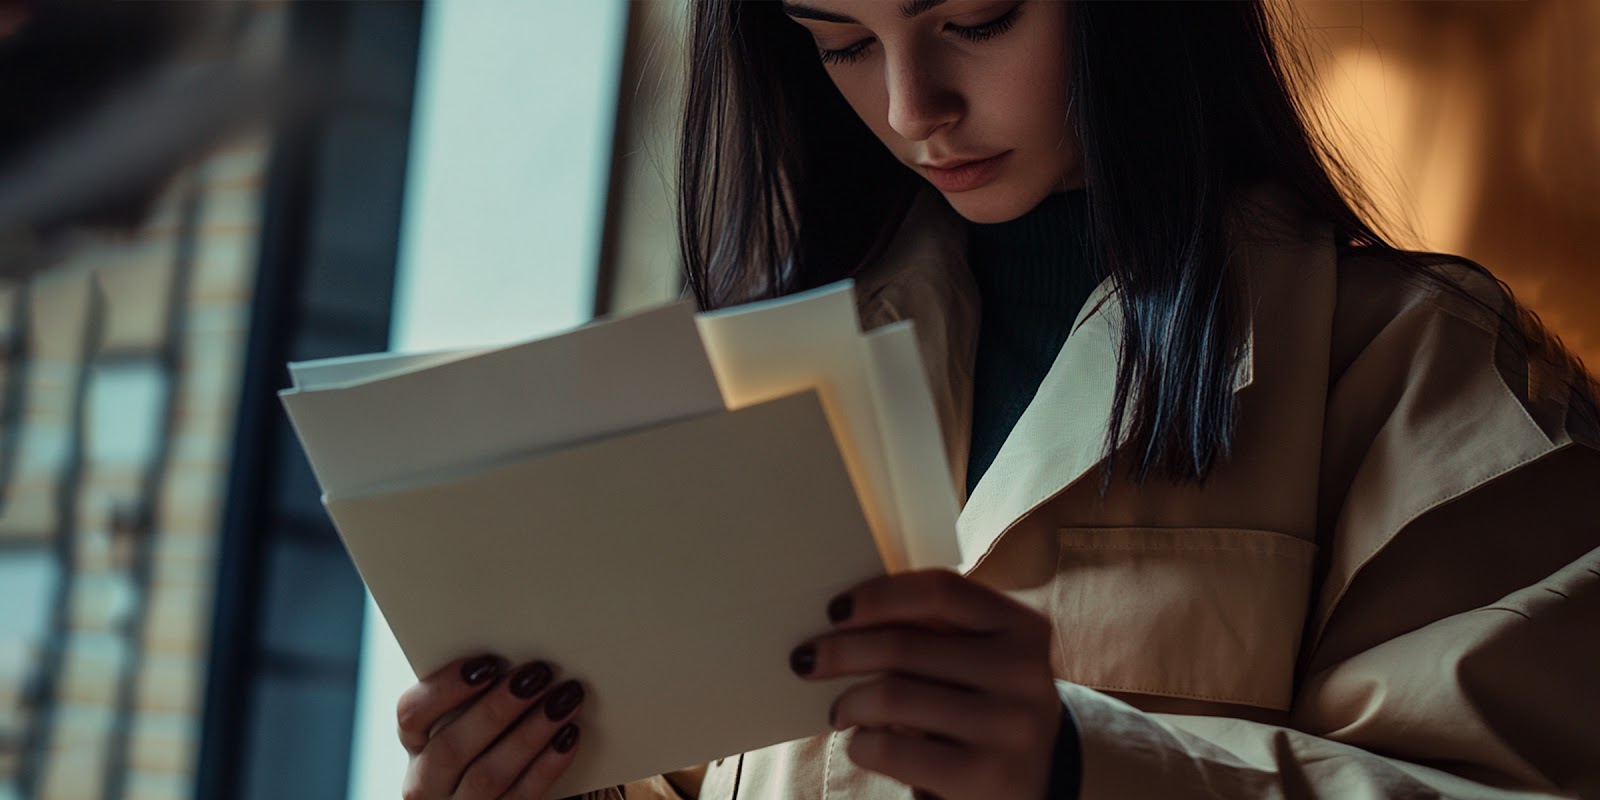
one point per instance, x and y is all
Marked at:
(1497, 702)
(1453, 648)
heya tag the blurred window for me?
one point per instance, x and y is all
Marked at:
(511, 144)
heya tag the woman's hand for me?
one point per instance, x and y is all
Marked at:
(964, 703)
(472, 734)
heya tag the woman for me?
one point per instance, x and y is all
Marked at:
(1259, 506)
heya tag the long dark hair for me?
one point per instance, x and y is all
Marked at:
(1180, 108)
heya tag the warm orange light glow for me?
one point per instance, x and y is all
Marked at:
(1482, 120)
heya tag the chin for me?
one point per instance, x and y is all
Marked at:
(994, 203)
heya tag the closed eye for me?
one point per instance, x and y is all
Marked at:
(846, 55)
(972, 33)
(987, 30)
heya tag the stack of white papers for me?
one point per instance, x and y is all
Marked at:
(661, 505)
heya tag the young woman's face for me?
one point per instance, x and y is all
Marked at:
(971, 94)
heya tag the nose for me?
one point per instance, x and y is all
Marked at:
(920, 102)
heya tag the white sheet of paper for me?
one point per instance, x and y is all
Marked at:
(660, 504)
(540, 395)
(812, 340)
(914, 448)
(332, 373)
(671, 570)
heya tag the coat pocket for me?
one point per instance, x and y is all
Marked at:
(1209, 614)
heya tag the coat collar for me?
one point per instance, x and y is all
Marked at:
(1060, 437)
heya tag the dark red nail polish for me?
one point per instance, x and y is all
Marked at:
(563, 699)
(840, 607)
(566, 738)
(531, 679)
(804, 659)
(481, 670)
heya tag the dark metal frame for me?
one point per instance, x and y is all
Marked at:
(324, 287)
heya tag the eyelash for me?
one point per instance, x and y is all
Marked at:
(972, 33)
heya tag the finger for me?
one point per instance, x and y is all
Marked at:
(426, 703)
(503, 764)
(904, 703)
(945, 768)
(445, 758)
(535, 783)
(936, 598)
(990, 663)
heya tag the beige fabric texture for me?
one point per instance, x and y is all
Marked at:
(1391, 590)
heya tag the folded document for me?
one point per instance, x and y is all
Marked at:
(660, 504)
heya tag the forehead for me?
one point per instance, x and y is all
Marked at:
(854, 13)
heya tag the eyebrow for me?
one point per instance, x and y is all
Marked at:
(908, 9)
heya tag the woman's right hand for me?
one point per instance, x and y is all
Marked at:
(473, 731)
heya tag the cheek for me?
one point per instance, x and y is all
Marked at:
(1025, 98)
(1018, 112)
(1035, 85)
(1047, 125)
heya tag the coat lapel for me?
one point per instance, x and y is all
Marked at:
(1061, 436)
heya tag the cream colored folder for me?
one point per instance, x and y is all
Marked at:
(662, 505)
(671, 570)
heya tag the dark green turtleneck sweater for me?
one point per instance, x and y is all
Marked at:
(1033, 274)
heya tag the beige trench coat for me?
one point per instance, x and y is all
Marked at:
(1391, 590)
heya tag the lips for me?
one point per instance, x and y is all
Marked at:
(953, 163)
(964, 174)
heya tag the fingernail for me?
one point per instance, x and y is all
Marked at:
(531, 679)
(480, 670)
(566, 738)
(804, 659)
(840, 607)
(563, 699)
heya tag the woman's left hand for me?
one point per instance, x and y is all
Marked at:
(963, 704)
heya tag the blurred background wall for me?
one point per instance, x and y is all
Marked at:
(181, 620)
(123, 377)
(1479, 123)
(121, 366)
(190, 195)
